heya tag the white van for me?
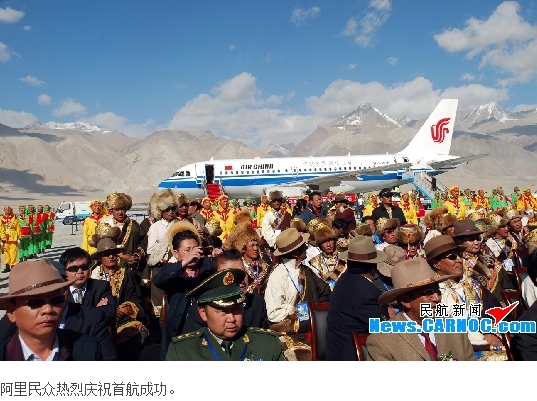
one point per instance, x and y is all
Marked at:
(80, 210)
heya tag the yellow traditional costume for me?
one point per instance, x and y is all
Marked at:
(225, 216)
(455, 204)
(10, 236)
(409, 209)
(90, 226)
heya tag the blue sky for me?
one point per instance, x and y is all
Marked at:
(258, 71)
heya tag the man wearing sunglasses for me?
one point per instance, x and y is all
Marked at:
(35, 304)
(414, 283)
(86, 291)
(444, 257)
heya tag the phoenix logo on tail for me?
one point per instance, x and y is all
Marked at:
(439, 130)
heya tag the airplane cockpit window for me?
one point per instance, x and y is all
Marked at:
(405, 159)
(187, 173)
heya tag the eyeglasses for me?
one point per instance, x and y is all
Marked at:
(429, 292)
(36, 303)
(107, 254)
(75, 268)
(452, 256)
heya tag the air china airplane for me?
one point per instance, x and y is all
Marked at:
(241, 178)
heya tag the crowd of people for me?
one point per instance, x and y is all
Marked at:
(204, 280)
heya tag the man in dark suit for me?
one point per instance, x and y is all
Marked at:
(79, 319)
(354, 299)
(524, 346)
(387, 209)
(85, 290)
(255, 309)
(35, 304)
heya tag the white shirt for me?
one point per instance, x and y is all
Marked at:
(157, 231)
(75, 295)
(281, 294)
(266, 228)
(30, 356)
(529, 292)
(420, 336)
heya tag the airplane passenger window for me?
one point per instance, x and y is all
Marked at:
(286, 170)
(325, 169)
(330, 168)
(278, 171)
(226, 172)
(242, 172)
(257, 171)
(262, 171)
(273, 171)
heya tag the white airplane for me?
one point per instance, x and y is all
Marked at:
(241, 178)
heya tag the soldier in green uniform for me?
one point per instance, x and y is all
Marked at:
(220, 304)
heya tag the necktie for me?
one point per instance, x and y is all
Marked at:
(226, 344)
(430, 347)
(78, 293)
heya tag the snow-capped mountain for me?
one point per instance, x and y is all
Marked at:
(77, 125)
(491, 112)
(278, 150)
(366, 115)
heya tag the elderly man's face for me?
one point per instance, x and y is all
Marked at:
(224, 203)
(411, 301)
(33, 320)
(276, 204)
(168, 214)
(119, 214)
(389, 236)
(96, 208)
(516, 225)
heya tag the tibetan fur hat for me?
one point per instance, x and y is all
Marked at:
(104, 230)
(275, 195)
(430, 220)
(495, 221)
(446, 221)
(384, 224)
(179, 227)
(181, 199)
(242, 217)
(118, 200)
(299, 224)
(409, 234)
(160, 201)
(531, 241)
(364, 230)
(240, 236)
(213, 227)
(324, 234)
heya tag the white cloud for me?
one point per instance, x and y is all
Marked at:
(392, 60)
(299, 15)
(524, 107)
(364, 30)
(8, 14)
(505, 41)
(352, 66)
(467, 77)
(111, 121)
(272, 58)
(67, 107)
(26, 28)
(16, 119)
(232, 47)
(236, 109)
(415, 99)
(5, 53)
(31, 80)
(44, 99)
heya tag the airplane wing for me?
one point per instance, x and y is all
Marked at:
(352, 174)
(454, 162)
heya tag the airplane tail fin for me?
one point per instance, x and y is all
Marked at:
(435, 135)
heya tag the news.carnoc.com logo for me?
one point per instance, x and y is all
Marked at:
(452, 320)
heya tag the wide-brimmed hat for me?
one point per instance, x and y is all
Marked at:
(440, 245)
(33, 278)
(221, 289)
(395, 254)
(289, 240)
(409, 275)
(362, 249)
(465, 227)
(385, 192)
(104, 245)
(341, 198)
